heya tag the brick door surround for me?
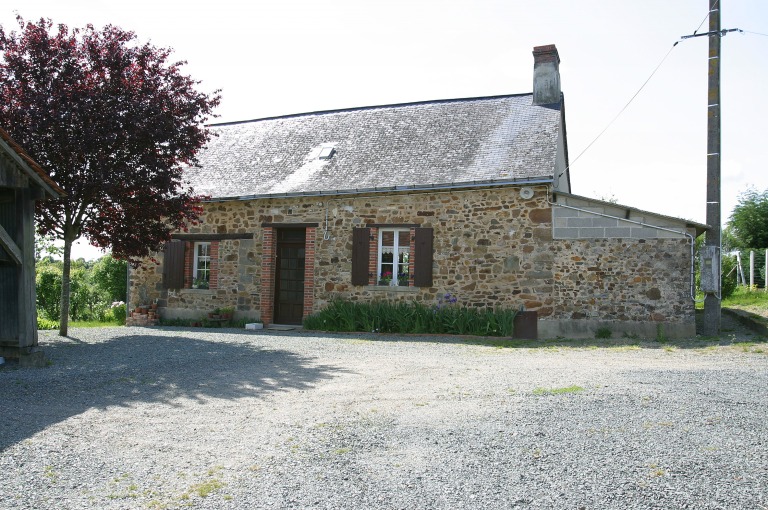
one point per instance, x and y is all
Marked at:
(268, 262)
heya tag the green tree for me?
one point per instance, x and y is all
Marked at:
(114, 122)
(85, 298)
(749, 220)
(110, 277)
(45, 247)
(48, 288)
(748, 229)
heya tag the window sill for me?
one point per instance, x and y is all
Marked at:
(389, 288)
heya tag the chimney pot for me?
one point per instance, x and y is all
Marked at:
(546, 75)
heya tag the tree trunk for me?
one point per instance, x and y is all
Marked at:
(65, 285)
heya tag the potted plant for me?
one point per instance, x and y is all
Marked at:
(215, 314)
(386, 277)
(227, 312)
(200, 283)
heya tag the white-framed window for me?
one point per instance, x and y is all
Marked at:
(394, 254)
(201, 268)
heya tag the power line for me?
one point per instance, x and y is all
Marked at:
(622, 110)
(706, 17)
(695, 34)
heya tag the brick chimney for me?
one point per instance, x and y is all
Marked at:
(546, 75)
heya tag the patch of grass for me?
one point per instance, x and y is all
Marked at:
(92, 324)
(751, 347)
(630, 347)
(206, 488)
(51, 474)
(557, 391)
(744, 297)
(651, 425)
(124, 487)
(656, 470)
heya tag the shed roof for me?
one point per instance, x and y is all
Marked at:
(626, 212)
(446, 143)
(29, 165)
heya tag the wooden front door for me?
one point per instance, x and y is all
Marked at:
(289, 276)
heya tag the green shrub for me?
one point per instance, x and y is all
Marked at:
(116, 313)
(447, 317)
(603, 333)
(43, 323)
(728, 280)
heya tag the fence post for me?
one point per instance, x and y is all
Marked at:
(751, 269)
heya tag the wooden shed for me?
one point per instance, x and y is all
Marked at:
(22, 182)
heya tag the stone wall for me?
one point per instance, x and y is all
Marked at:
(491, 248)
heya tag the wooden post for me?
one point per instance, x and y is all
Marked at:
(27, 298)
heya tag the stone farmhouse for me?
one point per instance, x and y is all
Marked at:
(22, 182)
(470, 197)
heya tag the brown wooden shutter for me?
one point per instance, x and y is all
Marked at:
(173, 265)
(360, 246)
(422, 258)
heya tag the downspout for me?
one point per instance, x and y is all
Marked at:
(640, 223)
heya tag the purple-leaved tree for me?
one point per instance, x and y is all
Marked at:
(113, 122)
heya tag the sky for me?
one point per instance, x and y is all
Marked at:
(279, 57)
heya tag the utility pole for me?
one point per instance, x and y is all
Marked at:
(711, 326)
(710, 266)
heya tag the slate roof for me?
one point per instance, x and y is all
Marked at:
(446, 143)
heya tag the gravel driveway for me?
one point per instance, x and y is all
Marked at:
(174, 418)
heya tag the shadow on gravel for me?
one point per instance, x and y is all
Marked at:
(128, 369)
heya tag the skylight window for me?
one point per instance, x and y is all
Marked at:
(327, 152)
